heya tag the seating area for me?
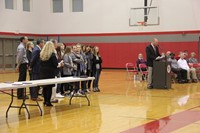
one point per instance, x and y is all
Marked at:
(136, 73)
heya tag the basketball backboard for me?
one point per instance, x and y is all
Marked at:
(144, 16)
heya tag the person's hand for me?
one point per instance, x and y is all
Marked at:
(157, 57)
(61, 64)
(29, 68)
(17, 69)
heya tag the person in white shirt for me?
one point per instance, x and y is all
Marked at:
(191, 72)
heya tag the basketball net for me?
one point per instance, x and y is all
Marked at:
(141, 25)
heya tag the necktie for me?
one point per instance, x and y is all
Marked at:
(154, 48)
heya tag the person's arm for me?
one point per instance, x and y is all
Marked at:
(19, 59)
(28, 55)
(150, 55)
(158, 51)
(54, 60)
(76, 60)
(137, 63)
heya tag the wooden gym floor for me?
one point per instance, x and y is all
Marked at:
(121, 106)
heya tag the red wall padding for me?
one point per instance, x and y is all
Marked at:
(116, 55)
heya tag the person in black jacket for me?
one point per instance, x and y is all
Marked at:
(152, 53)
(96, 68)
(49, 64)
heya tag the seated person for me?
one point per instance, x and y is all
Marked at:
(186, 55)
(190, 71)
(141, 60)
(192, 58)
(178, 57)
(168, 54)
(181, 73)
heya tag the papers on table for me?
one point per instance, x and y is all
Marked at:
(17, 83)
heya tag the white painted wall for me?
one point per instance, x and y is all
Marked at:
(18, 20)
(99, 16)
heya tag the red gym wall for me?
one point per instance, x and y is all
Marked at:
(116, 55)
(119, 48)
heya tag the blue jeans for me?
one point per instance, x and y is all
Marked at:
(77, 84)
(97, 75)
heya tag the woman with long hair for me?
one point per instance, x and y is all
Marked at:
(29, 49)
(49, 65)
(68, 68)
(96, 68)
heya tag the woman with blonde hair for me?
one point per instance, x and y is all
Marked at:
(29, 49)
(49, 65)
(96, 68)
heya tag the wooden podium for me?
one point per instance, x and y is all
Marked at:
(161, 75)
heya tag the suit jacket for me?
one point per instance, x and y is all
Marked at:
(35, 60)
(151, 55)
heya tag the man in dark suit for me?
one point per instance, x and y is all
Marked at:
(35, 67)
(152, 54)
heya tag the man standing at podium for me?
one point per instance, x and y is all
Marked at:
(152, 54)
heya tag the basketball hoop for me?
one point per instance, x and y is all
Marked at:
(142, 23)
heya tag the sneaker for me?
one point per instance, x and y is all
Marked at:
(58, 95)
(36, 99)
(98, 90)
(87, 90)
(79, 93)
(94, 89)
(54, 100)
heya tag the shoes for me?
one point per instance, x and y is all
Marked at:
(26, 97)
(150, 87)
(48, 104)
(195, 80)
(54, 101)
(79, 93)
(96, 89)
(58, 95)
(87, 90)
(181, 81)
(38, 99)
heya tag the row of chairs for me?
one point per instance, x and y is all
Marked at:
(133, 71)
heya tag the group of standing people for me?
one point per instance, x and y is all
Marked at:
(54, 60)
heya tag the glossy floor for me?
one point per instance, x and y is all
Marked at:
(121, 106)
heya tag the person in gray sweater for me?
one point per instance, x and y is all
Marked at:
(68, 67)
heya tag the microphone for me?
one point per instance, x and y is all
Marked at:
(160, 47)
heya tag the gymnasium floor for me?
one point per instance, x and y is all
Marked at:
(121, 106)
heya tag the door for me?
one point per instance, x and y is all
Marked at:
(1, 55)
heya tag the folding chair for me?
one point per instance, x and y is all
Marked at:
(143, 70)
(173, 77)
(131, 70)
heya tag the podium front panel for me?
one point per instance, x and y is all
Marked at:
(161, 75)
